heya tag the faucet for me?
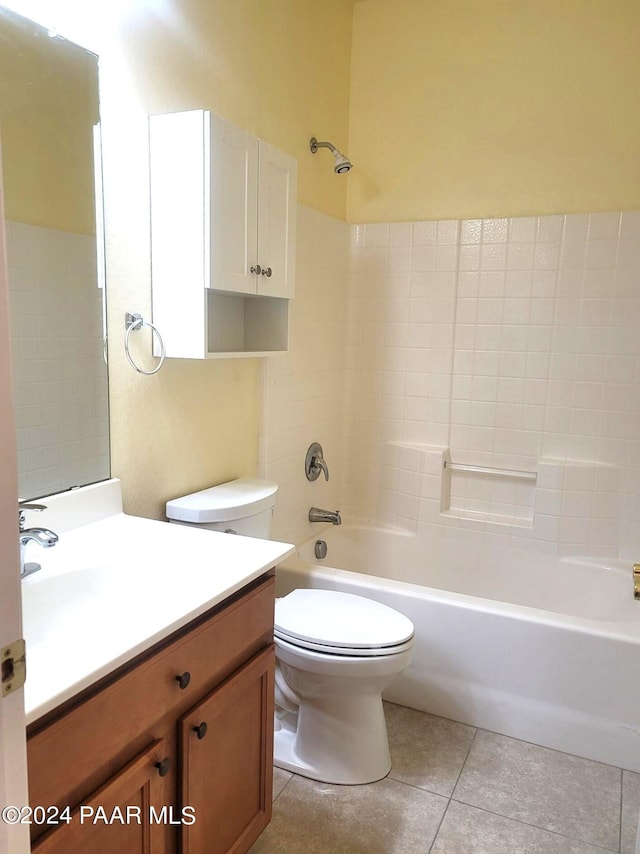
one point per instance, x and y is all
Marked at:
(42, 536)
(314, 462)
(318, 515)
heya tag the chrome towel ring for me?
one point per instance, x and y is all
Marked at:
(137, 321)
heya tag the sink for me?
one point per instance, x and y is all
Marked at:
(93, 597)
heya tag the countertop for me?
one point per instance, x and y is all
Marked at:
(111, 589)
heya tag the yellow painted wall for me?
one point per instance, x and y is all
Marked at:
(48, 106)
(276, 67)
(475, 108)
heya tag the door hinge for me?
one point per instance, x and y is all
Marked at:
(13, 659)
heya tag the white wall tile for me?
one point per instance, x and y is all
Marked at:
(513, 342)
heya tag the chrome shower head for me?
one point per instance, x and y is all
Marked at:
(342, 164)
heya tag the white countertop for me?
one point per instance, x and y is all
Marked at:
(111, 589)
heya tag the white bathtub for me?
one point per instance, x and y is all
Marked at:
(524, 644)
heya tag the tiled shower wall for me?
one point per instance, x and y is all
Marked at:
(302, 390)
(60, 387)
(503, 343)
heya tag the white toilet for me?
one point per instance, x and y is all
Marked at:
(335, 653)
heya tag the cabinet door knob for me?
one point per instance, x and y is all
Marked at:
(201, 730)
(267, 271)
(257, 269)
(163, 766)
(184, 679)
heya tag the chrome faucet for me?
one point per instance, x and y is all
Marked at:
(318, 515)
(314, 462)
(42, 536)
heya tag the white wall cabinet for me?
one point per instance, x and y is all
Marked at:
(223, 225)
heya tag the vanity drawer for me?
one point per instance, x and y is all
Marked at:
(69, 756)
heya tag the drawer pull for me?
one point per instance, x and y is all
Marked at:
(163, 766)
(184, 679)
(201, 730)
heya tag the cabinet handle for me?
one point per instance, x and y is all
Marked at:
(184, 679)
(257, 269)
(163, 766)
(201, 730)
(267, 271)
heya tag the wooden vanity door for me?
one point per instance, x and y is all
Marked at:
(138, 786)
(226, 745)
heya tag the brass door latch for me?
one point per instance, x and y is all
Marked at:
(636, 580)
(13, 659)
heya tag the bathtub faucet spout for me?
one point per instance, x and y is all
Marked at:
(318, 515)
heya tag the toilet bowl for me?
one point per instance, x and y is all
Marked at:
(335, 655)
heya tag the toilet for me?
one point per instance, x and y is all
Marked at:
(335, 653)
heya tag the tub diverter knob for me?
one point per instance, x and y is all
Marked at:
(320, 549)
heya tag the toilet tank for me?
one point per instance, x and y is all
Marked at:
(243, 506)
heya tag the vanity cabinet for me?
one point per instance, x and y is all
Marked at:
(223, 224)
(173, 751)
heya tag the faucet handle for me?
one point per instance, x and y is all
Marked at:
(27, 505)
(314, 462)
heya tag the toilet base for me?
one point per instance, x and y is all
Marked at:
(334, 740)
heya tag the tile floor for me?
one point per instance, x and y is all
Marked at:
(454, 789)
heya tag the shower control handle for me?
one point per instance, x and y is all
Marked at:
(257, 269)
(314, 464)
(267, 271)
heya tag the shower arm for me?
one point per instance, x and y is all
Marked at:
(314, 145)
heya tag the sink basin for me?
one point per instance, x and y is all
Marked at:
(93, 597)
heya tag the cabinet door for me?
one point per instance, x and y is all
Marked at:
(233, 208)
(277, 193)
(118, 816)
(227, 756)
(178, 160)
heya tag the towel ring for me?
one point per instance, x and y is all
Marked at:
(137, 321)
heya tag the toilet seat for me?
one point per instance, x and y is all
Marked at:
(335, 623)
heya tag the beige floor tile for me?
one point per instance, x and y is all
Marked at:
(565, 794)
(280, 780)
(630, 809)
(382, 818)
(468, 830)
(426, 751)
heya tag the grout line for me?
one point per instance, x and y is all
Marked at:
(553, 749)
(285, 786)
(621, 800)
(473, 741)
(534, 826)
(439, 826)
(454, 329)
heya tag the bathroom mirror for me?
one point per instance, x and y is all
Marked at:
(48, 119)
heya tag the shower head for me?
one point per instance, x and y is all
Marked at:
(342, 164)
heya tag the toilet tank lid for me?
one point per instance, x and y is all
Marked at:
(233, 500)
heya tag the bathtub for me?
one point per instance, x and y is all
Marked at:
(521, 643)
